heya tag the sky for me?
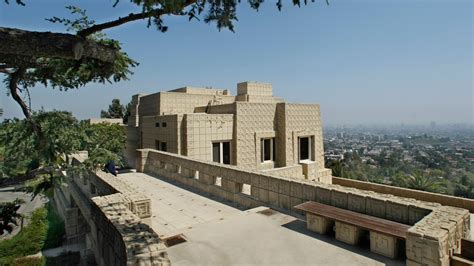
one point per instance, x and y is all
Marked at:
(363, 61)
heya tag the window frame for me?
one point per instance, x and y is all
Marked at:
(272, 150)
(309, 148)
(221, 151)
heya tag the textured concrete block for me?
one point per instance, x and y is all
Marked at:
(416, 213)
(356, 203)
(263, 182)
(284, 201)
(339, 199)
(273, 198)
(384, 245)
(397, 212)
(309, 192)
(375, 207)
(273, 184)
(348, 233)
(284, 186)
(318, 224)
(296, 189)
(323, 195)
(263, 195)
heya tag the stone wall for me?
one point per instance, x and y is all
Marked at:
(169, 134)
(434, 237)
(409, 193)
(184, 103)
(116, 217)
(201, 130)
(295, 171)
(250, 120)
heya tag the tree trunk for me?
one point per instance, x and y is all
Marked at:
(16, 43)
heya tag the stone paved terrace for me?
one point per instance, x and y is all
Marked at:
(219, 234)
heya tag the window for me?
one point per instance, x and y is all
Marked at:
(221, 152)
(305, 148)
(163, 124)
(163, 146)
(157, 124)
(268, 150)
(157, 145)
(216, 154)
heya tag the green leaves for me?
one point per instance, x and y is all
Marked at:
(63, 135)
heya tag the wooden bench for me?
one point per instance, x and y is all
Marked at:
(349, 226)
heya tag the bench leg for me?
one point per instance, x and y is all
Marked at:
(318, 224)
(348, 233)
(382, 244)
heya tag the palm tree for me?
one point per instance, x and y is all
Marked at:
(420, 181)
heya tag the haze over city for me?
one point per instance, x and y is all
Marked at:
(362, 61)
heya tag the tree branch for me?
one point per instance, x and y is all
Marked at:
(15, 78)
(31, 44)
(13, 86)
(131, 17)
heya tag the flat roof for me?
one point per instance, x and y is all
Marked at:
(221, 234)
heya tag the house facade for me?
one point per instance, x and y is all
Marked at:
(253, 130)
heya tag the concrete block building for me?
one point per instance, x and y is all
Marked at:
(253, 130)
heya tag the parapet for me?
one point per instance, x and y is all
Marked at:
(201, 91)
(254, 88)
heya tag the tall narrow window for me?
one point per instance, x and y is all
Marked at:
(226, 152)
(305, 148)
(163, 146)
(216, 152)
(221, 152)
(157, 145)
(268, 149)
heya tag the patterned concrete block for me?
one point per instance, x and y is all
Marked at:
(318, 224)
(348, 234)
(384, 245)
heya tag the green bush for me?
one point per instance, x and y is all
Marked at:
(56, 231)
(45, 230)
(29, 241)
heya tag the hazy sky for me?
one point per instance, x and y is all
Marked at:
(365, 61)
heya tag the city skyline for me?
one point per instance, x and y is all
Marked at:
(364, 63)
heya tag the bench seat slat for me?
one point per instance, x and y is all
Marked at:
(363, 221)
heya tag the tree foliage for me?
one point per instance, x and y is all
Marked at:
(420, 181)
(63, 135)
(9, 215)
(116, 110)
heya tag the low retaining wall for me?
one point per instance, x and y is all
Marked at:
(408, 193)
(116, 215)
(294, 171)
(434, 237)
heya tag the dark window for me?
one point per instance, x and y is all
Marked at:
(163, 124)
(157, 144)
(157, 124)
(216, 152)
(226, 152)
(163, 146)
(304, 148)
(273, 150)
(267, 150)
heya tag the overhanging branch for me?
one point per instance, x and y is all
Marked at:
(31, 44)
(131, 17)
